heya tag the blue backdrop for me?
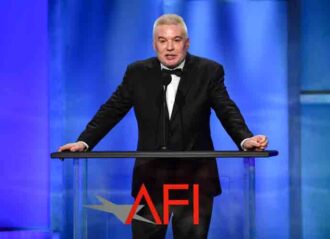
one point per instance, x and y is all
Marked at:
(24, 161)
(60, 61)
(95, 41)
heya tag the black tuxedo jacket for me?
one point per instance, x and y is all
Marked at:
(201, 89)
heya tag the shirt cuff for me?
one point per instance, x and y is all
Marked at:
(86, 145)
(242, 144)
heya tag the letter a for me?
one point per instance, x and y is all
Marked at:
(143, 193)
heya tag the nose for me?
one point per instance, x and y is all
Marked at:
(170, 46)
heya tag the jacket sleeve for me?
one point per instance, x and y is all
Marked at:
(110, 113)
(226, 110)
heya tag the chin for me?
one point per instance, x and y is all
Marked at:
(172, 64)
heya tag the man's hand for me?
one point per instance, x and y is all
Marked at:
(73, 147)
(256, 143)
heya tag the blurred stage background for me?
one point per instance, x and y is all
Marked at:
(60, 60)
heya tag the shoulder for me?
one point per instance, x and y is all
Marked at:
(140, 70)
(205, 63)
(143, 64)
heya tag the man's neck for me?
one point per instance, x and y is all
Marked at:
(180, 66)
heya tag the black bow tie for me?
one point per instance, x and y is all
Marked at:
(177, 72)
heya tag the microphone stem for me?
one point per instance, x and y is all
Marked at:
(164, 146)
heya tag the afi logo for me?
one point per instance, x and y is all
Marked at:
(126, 213)
(167, 202)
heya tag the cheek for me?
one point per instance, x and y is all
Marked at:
(182, 50)
(182, 47)
(159, 49)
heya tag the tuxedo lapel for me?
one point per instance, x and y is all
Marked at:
(155, 80)
(155, 88)
(186, 81)
(154, 67)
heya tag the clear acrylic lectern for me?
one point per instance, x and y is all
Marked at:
(88, 203)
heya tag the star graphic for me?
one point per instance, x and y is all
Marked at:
(120, 211)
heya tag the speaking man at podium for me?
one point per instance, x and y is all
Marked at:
(172, 96)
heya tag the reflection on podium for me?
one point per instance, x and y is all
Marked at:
(102, 205)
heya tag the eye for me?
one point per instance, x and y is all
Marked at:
(161, 40)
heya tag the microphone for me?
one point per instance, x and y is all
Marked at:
(181, 101)
(166, 80)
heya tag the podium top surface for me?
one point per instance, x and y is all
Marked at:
(164, 154)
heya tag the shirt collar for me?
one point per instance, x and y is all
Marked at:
(178, 67)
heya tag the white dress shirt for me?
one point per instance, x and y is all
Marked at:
(172, 88)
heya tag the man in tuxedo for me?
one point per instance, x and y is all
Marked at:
(180, 122)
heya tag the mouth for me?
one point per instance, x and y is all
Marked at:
(170, 56)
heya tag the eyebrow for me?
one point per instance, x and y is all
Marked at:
(176, 37)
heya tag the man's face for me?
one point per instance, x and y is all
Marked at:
(170, 44)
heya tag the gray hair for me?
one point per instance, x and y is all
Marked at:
(170, 19)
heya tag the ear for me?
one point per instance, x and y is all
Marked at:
(187, 43)
(153, 44)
